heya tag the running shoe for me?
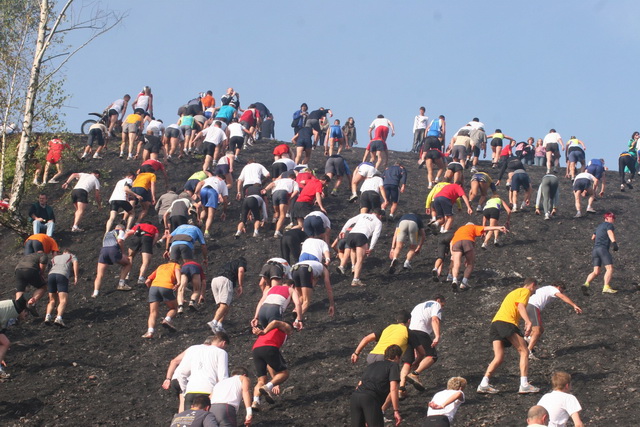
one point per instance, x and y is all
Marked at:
(479, 208)
(342, 270)
(546, 216)
(454, 287)
(622, 187)
(402, 393)
(123, 287)
(180, 311)
(533, 356)
(434, 275)
(212, 325)
(4, 374)
(609, 290)
(59, 322)
(148, 335)
(585, 290)
(76, 229)
(590, 210)
(578, 215)
(53, 181)
(98, 157)
(527, 389)
(268, 396)
(141, 280)
(407, 265)
(629, 184)
(449, 278)
(392, 267)
(48, 320)
(415, 381)
(357, 282)
(237, 235)
(255, 406)
(464, 287)
(169, 325)
(277, 234)
(353, 198)
(489, 389)
(484, 246)
(334, 193)
(193, 306)
(256, 234)
(31, 308)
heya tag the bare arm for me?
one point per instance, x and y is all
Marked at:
(247, 398)
(568, 300)
(240, 280)
(577, 422)
(172, 368)
(449, 401)
(363, 343)
(435, 324)
(327, 285)
(522, 309)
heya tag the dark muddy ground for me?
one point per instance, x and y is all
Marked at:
(100, 372)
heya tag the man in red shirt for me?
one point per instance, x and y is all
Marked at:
(312, 192)
(54, 156)
(443, 205)
(266, 354)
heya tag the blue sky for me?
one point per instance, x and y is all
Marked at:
(523, 67)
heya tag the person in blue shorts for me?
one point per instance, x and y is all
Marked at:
(604, 238)
(303, 143)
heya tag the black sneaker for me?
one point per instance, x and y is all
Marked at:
(585, 290)
(268, 396)
(192, 306)
(31, 308)
(454, 287)
(392, 267)
(434, 275)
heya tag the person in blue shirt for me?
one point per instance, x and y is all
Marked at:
(182, 242)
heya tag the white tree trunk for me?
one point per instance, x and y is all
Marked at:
(19, 179)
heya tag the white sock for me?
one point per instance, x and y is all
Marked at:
(151, 330)
(256, 399)
(95, 293)
(465, 280)
(58, 317)
(485, 381)
(168, 319)
(121, 282)
(269, 386)
(524, 381)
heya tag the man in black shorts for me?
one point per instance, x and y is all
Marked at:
(273, 272)
(120, 199)
(443, 251)
(267, 358)
(336, 166)
(365, 231)
(504, 332)
(425, 328)
(30, 271)
(152, 146)
(303, 142)
(378, 151)
(431, 155)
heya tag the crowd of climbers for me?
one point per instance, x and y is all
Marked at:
(290, 194)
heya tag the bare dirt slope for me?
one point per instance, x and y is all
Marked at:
(100, 372)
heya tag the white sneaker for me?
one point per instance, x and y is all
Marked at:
(546, 216)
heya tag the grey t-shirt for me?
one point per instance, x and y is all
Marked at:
(7, 312)
(194, 418)
(63, 264)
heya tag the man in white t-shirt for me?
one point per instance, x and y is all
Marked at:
(315, 250)
(560, 404)
(87, 182)
(214, 144)
(552, 143)
(420, 123)
(425, 328)
(363, 170)
(379, 128)
(537, 302)
(202, 367)
(372, 194)
(253, 173)
(317, 224)
(120, 199)
(227, 395)
(364, 234)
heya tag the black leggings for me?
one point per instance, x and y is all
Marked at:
(628, 161)
(365, 409)
(436, 421)
(290, 248)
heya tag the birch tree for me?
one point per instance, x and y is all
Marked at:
(50, 27)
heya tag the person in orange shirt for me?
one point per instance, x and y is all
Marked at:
(161, 284)
(144, 185)
(131, 129)
(40, 242)
(463, 244)
(208, 101)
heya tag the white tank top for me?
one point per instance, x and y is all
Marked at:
(228, 391)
